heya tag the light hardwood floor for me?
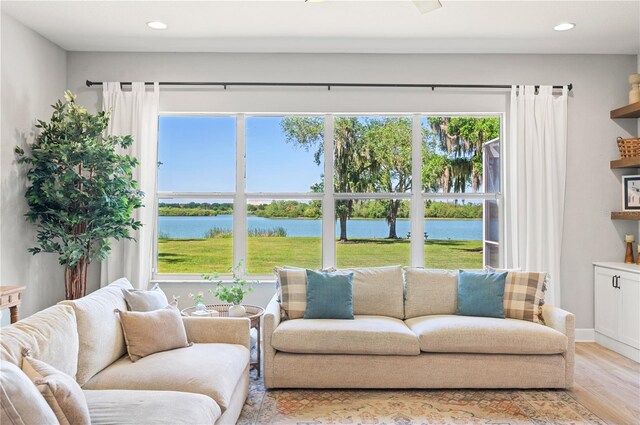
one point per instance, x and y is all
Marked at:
(607, 384)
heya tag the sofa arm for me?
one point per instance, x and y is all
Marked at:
(271, 321)
(218, 330)
(563, 322)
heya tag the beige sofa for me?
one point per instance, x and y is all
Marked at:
(205, 383)
(408, 336)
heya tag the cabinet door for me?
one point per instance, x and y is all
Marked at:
(629, 293)
(606, 302)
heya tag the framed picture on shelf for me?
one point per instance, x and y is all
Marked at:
(630, 193)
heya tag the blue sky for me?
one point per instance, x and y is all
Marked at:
(198, 155)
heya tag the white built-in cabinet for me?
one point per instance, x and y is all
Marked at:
(617, 307)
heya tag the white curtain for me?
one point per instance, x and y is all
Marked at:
(536, 155)
(135, 113)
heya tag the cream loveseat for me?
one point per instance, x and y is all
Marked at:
(410, 337)
(205, 383)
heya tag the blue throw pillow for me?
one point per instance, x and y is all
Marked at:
(481, 294)
(329, 296)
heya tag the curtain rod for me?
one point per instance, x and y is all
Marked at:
(327, 85)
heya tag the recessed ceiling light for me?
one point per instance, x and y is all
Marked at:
(157, 25)
(565, 26)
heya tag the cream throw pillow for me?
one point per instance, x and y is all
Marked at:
(21, 401)
(148, 332)
(140, 300)
(62, 393)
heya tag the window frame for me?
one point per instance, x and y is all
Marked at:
(417, 198)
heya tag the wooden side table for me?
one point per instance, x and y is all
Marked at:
(254, 313)
(11, 297)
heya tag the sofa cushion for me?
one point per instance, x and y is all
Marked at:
(210, 369)
(125, 407)
(378, 291)
(20, 401)
(430, 292)
(466, 334)
(363, 335)
(50, 335)
(99, 330)
(59, 390)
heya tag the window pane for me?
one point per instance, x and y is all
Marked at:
(492, 254)
(195, 236)
(196, 154)
(284, 154)
(453, 151)
(372, 154)
(492, 221)
(453, 234)
(284, 232)
(372, 233)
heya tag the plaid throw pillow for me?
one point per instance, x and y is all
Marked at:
(291, 284)
(524, 296)
(292, 291)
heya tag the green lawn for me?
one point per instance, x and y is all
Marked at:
(264, 253)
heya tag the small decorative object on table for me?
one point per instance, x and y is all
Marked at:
(630, 193)
(200, 308)
(634, 94)
(233, 294)
(628, 257)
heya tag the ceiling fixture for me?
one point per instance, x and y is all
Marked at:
(426, 6)
(565, 26)
(157, 25)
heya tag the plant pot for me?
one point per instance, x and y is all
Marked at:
(237, 310)
(201, 308)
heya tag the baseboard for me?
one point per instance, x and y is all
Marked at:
(585, 335)
(617, 346)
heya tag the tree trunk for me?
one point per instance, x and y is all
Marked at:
(75, 280)
(392, 218)
(343, 227)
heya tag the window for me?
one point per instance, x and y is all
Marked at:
(332, 190)
(461, 181)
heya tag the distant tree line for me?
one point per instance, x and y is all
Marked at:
(295, 209)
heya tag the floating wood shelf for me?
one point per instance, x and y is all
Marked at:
(625, 163)
(625, 215)
(629, 111)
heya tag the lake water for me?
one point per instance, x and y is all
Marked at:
(196, 227)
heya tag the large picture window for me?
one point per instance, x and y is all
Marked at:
(327, 191)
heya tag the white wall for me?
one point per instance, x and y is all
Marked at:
(599, 86)
(34, 75)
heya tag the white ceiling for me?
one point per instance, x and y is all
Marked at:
(392, 26)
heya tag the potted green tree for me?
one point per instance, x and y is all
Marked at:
(81, 190)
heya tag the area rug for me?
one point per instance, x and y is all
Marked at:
(411, 407)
